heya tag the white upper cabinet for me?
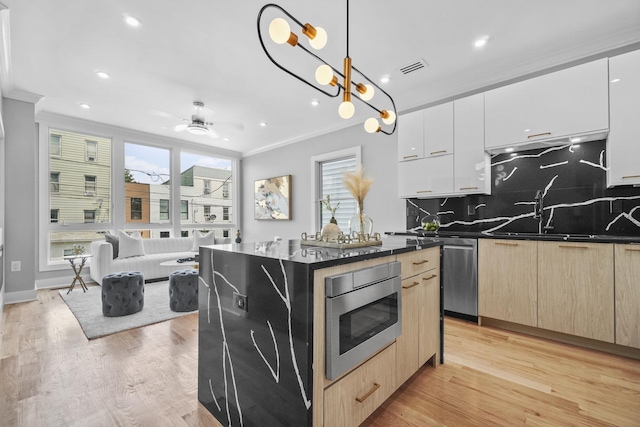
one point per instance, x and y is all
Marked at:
(472, 165)
(427, 177)
(438, 130)
(411, 136)
(561, 104)
(623, 145)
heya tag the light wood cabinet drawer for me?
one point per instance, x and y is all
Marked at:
(419, 261)
(352, 399)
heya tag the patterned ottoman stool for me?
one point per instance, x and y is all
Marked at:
(122, 293)
(183, 290)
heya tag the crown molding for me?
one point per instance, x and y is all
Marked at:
(23, 95)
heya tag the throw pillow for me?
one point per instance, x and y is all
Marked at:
(114, 242)
(130, 245)
(200, 239)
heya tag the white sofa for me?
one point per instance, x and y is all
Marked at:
(156, 251)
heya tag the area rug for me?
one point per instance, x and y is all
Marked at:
(87, 307)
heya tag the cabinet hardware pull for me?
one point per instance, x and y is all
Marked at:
(631, 176)
(430, 277)
(411, 285)
(632, 250)
(421, 262)
(423, 191)
(468, 188)
(539, 134)
(505, 243)
(410, 157)
(369, 393)
(573, 247)
(438, 152)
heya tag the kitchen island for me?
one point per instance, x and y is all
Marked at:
(261, 355)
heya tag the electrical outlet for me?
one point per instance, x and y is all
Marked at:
(240, 301)
(16, 266)
(412, 211)
(471, 210)
(616, 206)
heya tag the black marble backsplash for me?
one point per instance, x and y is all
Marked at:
(572, 181)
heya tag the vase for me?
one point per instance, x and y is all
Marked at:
(360, 225)
(331, 231)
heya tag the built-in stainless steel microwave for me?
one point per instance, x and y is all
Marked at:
(363, 315)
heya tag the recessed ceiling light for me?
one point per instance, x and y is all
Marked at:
(615, 80)
(225, 139)
(102, 74)
(527, 130)
(385, 79)
(315, 102)
(481, 41)
(132, 21)
(263, 124)
(508, 150)
(85, 105)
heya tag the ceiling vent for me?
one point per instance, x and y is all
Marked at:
(414, 66)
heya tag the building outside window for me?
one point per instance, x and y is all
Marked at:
(225, 190)
(91, 151)
(165, 234)
(225, 233)
(89, 216)
(55, 148)
(207, 212)
(136, 208)
(55, 213)
(184, 209)
(184, 233)
(90, 185)
(164, 209)
(207, 186)
(225, 213)
(54, 182)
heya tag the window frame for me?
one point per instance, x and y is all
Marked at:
(184, 210)
(87, 191)
(59, 153)
(138, 202)
(87, 143)
(51, 182)
(162, 211)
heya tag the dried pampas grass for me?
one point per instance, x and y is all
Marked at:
(358, 185)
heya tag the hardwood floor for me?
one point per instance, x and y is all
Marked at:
(50, 375)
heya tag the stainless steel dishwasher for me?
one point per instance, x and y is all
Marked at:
(460, 277)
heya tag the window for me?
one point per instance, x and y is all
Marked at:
(164, 234)
(207, 212)
(207, 186)
(55, 148)
(136, 208)
(54, 182)
(225, 190)
(164, 209)
(184, 233)
(225, 213)
(91, 151)
(89, 216)
(184, 209)
(54, 215)
(89, 185)
(225, 233)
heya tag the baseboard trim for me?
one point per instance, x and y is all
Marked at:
(60, 282)
(617, 349)
(21, 296)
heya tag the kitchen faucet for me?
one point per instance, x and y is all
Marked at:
(538, 211)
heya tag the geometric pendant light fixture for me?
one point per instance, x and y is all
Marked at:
(329, 80)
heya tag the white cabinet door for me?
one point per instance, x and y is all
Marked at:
(427, 177)
(472, 165)
(623, 145)
(411, 136)
(564, 103)
(438, 130)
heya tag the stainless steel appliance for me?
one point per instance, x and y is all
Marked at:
(460, 277)
(363, 315)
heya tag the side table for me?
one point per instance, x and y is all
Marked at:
(77, 269)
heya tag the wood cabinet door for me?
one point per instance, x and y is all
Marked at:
(429, 342)
(411, 136)
(417, 262)
(508, 280)
(471, 164)
(438, 130)
(406, 344)
(627, 270)
(576, 290)
(624, 135)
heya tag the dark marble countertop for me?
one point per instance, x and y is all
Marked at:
(558, 237)
(319, 257)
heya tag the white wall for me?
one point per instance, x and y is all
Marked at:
(379, 154)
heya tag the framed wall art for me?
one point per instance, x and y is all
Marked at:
(272, 198)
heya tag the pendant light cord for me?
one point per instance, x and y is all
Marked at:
(347, 28)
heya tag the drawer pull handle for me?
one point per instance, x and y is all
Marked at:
(410, 286)
(369, 393)
(506, 243)
(539, 134)
(430, 277)
(468, 188)
(423, 191)
(631, 176)
(421, 262)
(632, 250)
(572, 247)
(438, 152)
(410, 157)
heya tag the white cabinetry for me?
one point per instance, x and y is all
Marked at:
(438, 130)
(472, 165)
(623, 145)
(561, 104)
(411, 136)
(427, 177)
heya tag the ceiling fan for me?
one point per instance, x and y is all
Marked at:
(199, 126)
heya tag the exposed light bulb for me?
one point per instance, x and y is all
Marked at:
(279, 31)
(371, 125)
(346, 110)
(324, 74)
(390, 119)
(320, 40)
(368, 94)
